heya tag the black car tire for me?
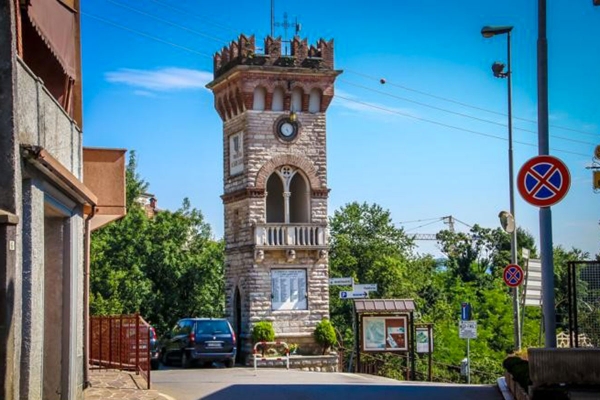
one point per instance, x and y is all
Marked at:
(164, 359)
(186, 361)
(154, 364)
(229, 363)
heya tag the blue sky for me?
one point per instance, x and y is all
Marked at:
(430, 142)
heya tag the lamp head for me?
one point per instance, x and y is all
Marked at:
(507, 221)
(489, 31)
(498, 70)
(293, 116)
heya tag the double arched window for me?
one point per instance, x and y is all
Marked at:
(288, 196)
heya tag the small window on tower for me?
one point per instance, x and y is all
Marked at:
(277, 99)
(260, 94)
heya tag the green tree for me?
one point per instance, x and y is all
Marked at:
(166, 267)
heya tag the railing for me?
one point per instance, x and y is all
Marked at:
(43, 122)
(285, 235)
(121, 342)
(265, 346)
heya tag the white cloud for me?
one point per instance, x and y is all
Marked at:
(164, 79)
(144, 93)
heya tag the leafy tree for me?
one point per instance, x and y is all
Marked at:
(166, 267)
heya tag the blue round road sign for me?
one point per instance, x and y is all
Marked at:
(513, 275)
(543, 181)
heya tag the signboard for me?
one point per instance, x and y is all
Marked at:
(467, 330)
(366, 287)
(513, 275)
(353, 295)
(236, 153)
(533, 283)
(465, 311)
(385, 333)
(288, 289)
(341, 281)
(424, 339)
(543, 181)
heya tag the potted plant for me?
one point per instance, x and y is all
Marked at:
(293, 348)
(325, 335)
(263, 332)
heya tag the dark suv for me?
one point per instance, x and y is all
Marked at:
(199, 339)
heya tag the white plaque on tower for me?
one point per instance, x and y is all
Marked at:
(288, 289)
(236, 153)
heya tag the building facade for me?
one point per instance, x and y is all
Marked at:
(46, 210)
(273, 108)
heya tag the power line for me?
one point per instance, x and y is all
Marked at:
(185, 28)
(342, 97)
(419, 220)
(146, 35)
(465, 104)
(455, 112)
(448, 125)
(421, 226)
(187, 13)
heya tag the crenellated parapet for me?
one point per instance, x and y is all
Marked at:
(302, 55)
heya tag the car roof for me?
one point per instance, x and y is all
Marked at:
(203, 319)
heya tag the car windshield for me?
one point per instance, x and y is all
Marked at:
(212, 327)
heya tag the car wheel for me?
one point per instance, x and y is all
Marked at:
(229, 363)
(154, 364)
(186, 361)
(163, 357)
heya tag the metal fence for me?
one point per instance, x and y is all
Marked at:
(584, 303)
(121, 342)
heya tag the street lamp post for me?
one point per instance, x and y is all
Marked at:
(498, 70)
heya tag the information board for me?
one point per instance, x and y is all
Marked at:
(385, 333)
(288, 289)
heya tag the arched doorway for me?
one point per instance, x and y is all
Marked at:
(237, 321)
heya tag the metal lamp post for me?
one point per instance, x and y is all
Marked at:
(498, 70)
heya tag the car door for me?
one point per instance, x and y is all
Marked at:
(174, 340)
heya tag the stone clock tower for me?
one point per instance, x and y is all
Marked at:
(275, 184)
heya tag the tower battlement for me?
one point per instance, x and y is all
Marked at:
(244, 52)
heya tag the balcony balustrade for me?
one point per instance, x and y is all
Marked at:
(303, 236)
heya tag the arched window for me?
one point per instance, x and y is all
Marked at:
(314, 101)
(288, 196)
(296, 100)
(299, 199)
(275, 200)
(277, 99)
(260, 95)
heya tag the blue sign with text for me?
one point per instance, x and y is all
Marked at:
(465, 311)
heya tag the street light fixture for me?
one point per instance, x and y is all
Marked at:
(498, 70)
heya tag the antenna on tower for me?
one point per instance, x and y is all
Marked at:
(272, 17)
(286, 25)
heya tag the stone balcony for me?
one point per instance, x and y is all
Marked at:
(280, 236)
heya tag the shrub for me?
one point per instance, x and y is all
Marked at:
(263, 332)
(325, 334)
(519, 369)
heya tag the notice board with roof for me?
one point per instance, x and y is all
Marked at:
(385, 325)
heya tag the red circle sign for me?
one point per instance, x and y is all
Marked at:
(513, 275)
(543, 181)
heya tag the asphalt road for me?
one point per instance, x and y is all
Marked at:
(216, 383)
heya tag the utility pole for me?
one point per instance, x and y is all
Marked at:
(545, 214)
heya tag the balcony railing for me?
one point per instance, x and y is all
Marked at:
(291, 235)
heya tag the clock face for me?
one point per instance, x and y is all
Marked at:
(286, 129)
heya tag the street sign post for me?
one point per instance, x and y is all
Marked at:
(353, 295)
(341, 281)
(365, 287)
(543, 181)
(513, 275)
(468, 330)
(465, 311)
